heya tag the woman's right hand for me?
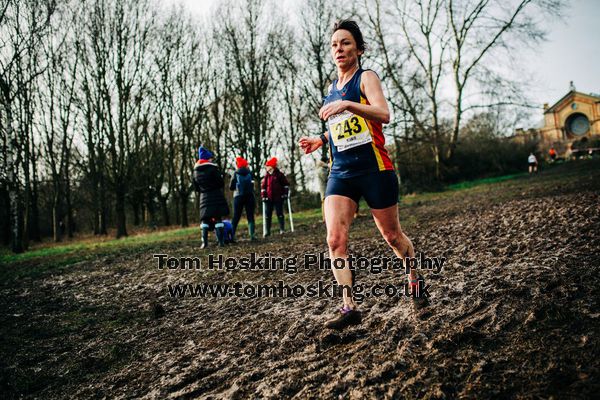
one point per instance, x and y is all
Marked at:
(310, 144)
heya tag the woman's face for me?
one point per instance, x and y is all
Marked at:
(269, 169)
(343, 49)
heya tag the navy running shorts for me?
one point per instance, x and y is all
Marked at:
(380, 189)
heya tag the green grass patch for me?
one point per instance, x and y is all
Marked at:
(61, 255)
(65, 254)
(80, 251)
(82, 248)
(485, 181)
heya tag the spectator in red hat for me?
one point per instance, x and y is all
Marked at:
(274, 190)
(242, 183)
(552, 154)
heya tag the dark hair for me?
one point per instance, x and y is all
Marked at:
(352, 27)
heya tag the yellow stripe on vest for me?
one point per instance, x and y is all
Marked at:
(373, 145)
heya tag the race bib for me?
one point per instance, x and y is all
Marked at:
(349, 130)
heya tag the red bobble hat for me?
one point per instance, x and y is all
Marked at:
(272, 162)
(241, 162)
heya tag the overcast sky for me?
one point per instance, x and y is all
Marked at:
(572, 52)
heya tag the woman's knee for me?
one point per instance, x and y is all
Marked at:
(337, 241)
(400, 242)
(393, 238)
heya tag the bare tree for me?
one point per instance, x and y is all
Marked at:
(169, 40)
(57, 97)
(22, 26)
(183, 67)
(93, 154)
(296, 108)
(316, 69)
(249, 40)
(119, 38)
(191, 86)
(318, 17)
(482, 29)
(445, 42)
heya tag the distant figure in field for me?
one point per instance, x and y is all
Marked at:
(274, 190)
(552, 154)
(208, 181)
(533, 164)
(243, 197)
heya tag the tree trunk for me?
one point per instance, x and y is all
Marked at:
(16, 203)
(34, 228)
(151, 212)
(96, 205)
(16, 206)
(103, 215)
(5, 216)
(26, 201)
(437, 160)
(455, 127)
(135, 207)
(398, 149)
(120, 211)
(324, 148)
(184, 210)
(70, 224)
(34, 225)
(165, 211)
(56, 217)
(103, 211)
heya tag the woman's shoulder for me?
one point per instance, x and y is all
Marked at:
(368, 78)
(368, 75)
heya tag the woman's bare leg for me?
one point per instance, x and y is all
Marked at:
(388, 224)
(339, 213)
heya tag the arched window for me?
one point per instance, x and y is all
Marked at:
(577, 124)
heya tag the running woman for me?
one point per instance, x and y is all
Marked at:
(355, 110)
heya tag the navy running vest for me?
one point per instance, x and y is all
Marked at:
(362, 159)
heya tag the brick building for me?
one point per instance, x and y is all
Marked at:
(573, 118)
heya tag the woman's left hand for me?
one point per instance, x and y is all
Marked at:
(333, 108)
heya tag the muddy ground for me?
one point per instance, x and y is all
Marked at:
(513, 314)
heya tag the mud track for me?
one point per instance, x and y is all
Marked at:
(513, 314)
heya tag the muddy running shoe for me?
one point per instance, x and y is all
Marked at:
(420, 299)
(346, 318)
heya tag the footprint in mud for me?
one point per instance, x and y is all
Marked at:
(157, 310)
(425, 314)
(330, 339)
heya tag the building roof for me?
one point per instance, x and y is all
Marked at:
(570, 94)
